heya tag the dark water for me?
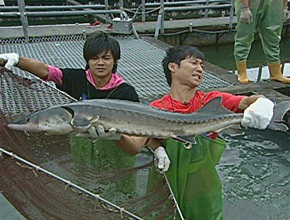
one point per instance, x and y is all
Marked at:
(222, 55)
(255, 168)
(255, 171)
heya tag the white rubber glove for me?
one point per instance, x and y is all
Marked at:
(9, 59)
(246, 16)
(286, 14)
(100, 133)
(259, 114)
(163, 160)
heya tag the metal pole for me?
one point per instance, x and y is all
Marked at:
(231, 21)
(24, 20)
(143, 11)
(158, 26)
(121, 5)
(108, 20)
(60, 13)
(162, 19)
(259, 74)
(206, 10)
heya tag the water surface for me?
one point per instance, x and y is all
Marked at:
(223, 54)
(255, 171)
(255, 168)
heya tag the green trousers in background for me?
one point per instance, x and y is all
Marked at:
(268, 22)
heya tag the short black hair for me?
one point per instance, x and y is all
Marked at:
(176, 55)
(99, 42)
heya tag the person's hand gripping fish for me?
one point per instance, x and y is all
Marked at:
(9, 60)
(99, 132)
(259, 114)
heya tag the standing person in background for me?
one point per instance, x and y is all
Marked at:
(265, 17)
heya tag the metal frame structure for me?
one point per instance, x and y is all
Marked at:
(191, 6)
(24, 11)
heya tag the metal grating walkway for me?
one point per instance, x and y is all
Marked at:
(140, 63)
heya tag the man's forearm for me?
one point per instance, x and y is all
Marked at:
(35, 67)
(131, 144)
(134, 144)
(246, 102)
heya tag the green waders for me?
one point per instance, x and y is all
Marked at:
(194, 179)
(268, 22)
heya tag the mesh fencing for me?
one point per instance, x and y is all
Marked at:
(43, 179)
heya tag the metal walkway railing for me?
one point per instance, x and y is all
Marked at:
(23, 11)
(192, 6)
(225, 8)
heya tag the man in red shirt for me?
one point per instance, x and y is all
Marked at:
(191, 172)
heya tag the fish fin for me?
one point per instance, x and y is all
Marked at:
(278, 126)
(187, 140)
(214, 106)
(229, 128)
(234, 131)
(90, 125)
(95, 119)
(71, 111)
(79, 118)
(280, 117)
(280, 110)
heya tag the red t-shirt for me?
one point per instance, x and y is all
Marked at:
(229, 101)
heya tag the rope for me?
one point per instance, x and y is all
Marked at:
(38, 168)
(173, 197)
(170, 190)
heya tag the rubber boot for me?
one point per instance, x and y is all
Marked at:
(242, 72)
(276, 73)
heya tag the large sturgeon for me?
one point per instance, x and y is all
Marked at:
(129, 118)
